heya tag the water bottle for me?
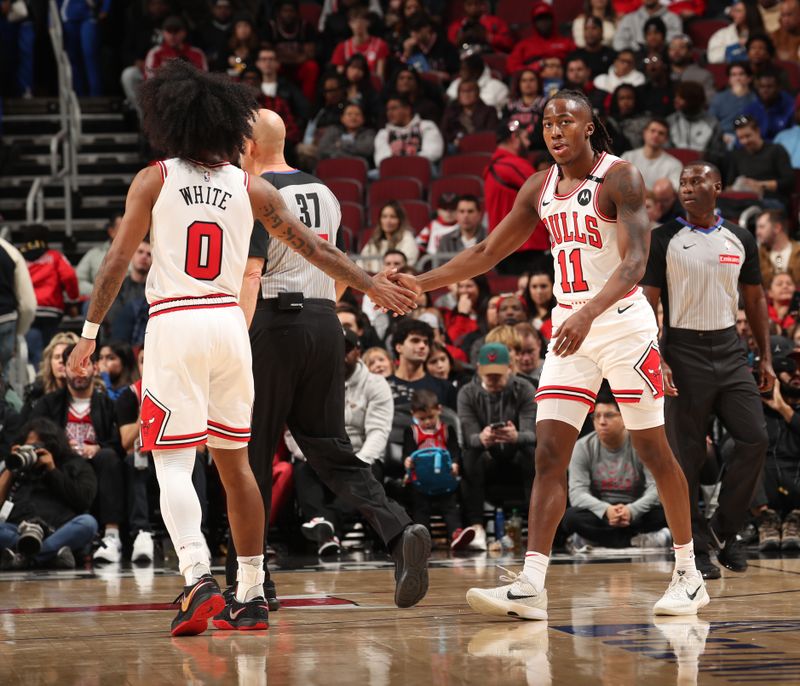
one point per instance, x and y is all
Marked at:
(499, 524)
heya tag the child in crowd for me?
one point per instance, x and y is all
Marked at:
(431, 491)
(429, 236)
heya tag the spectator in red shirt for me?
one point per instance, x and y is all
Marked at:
(375, 50)
(544, 41)
(52, 276)
(508, 169)
(478, 26)
(174, 46)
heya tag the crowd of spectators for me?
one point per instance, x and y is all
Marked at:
(415, 78)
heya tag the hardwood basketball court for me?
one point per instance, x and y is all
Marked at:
(338, 626)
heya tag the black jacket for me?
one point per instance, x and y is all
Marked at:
(56, 496)
(104, 419)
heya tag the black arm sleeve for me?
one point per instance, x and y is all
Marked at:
(259, 240)
(656, 272)
(751, 269)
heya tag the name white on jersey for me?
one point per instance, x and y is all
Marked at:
(200, 231)
(583, 240)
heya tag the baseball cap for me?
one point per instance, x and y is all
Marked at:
(447, 201)
(493, 359)
(783, 357)
(539, 9)
(350, 339)
(174, 23)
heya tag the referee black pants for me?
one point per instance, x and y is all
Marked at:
(298, 369)
(711, 374)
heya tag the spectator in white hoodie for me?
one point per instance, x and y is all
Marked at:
(405, 134)
(493, 91)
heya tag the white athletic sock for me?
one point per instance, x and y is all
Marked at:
(535, 569)
(249, 578)
(111, 533)
(684, 557)
(180, 509)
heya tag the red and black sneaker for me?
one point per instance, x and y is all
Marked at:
(250, 616)
(198, 603)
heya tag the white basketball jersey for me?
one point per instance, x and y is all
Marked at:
(200, 231)
(583, 240)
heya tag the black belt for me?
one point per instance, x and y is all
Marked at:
(706, 337)
(272, 304)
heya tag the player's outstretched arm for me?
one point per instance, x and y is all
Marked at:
(133, 228)
(507, 236)
(270, 210)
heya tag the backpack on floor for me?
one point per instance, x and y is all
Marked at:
(432, 473)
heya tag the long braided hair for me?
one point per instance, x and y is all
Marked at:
(600, 140)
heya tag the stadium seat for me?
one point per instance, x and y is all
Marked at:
(496, 61)
(685, 155)
(346, 190)
(353, 218)
(310, 11)
(484, 141)
(792, 71)
(515, 12)
(400, 188)
(415, 166)
(460, 185)
(720, 74)
(564, 12)
(343, 168)
(701, 30)
(472, 164)
(418, 212)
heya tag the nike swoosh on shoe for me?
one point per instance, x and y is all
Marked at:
(511, 596)
(187, 600)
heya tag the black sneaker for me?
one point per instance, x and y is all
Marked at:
(250, 616)
(198, 603)
(271, 595)
(707, 568)
(733, 556)
(10, 560)
(410, 555)
(64, 558)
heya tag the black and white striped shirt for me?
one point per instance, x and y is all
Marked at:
(285, 271)
(699, 270)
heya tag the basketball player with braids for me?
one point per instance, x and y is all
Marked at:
(593, 205)
(198, 384)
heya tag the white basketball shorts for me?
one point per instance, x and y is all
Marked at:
(197, 384)
(622, 347)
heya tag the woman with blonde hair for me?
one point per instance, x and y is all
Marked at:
(52, 375)
(393, 232)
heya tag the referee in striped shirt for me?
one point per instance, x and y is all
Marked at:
(298, 367)
(696, 268)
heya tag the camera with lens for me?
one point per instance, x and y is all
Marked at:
(24, 457)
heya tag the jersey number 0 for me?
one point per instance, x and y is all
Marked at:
(203, 251)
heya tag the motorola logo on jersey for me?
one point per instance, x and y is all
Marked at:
(585, 197)
(576, 229)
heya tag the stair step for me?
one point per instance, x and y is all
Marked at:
(86, 202)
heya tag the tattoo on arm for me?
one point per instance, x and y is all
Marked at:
(632, 217)
(106, 287)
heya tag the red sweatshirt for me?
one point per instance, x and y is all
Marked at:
(52, 276)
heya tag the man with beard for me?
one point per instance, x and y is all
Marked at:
(90, 421)
(696, 267)
(777, 499)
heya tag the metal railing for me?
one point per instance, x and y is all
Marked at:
(65, 143)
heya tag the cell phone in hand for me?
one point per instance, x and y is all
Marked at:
(497, 425)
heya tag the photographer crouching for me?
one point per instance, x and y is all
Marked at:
(45, 491)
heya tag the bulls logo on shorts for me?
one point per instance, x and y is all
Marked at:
(649, 368)
(585, 197)
(152, 420)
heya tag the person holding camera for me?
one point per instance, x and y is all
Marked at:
(45, 491)
(498, 420)
(696, 268)
(88, 417)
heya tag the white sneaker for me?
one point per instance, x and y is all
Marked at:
(516, 599)
(143, 547)
(317, 529)
(479, 541)
(654, 539)
(685, 595)
(110, 550)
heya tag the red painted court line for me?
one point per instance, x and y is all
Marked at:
(144, 607)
